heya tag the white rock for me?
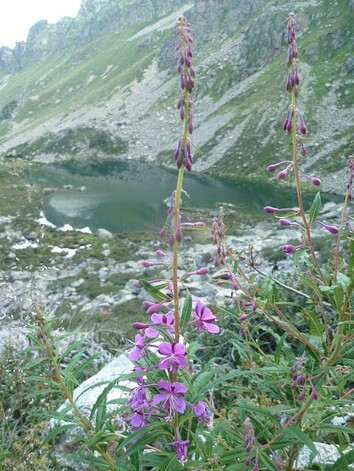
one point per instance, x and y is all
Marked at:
(326, 454)
(87, 393)
(66, 228)
(104, 234)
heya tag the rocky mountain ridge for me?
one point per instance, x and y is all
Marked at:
(111, 89)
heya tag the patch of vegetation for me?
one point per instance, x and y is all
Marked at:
(8, 110)
(112, 326)
(73, 141)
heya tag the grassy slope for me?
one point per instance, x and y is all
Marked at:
(60, 85)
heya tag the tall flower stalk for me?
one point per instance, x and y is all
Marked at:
(183, 155)
(167, 399)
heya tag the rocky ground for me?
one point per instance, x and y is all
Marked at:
(85, 290)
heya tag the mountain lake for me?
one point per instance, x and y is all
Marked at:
(128, 196)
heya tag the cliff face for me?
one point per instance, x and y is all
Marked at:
(96, 18)
(109, 76)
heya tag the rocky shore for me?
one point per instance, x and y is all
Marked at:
(79, 285)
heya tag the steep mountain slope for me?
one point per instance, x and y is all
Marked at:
(107, 86)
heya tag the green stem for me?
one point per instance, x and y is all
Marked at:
(178, 194)
(298, 190)
(344, 215)
(85, 423)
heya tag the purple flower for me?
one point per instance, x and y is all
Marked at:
(175, 356)
(205, 318)
(292, 248)
(153, 307)
(286, 223)
(270, 209)
(139, 349)
(181, 448)
(172, 397)
(203, 413)
(329, 228)
(138, 397)
(303, 149)
(273, 167)
(303, 128)
(284, 173)
(138, 419)
(147, 330)
(165, 320)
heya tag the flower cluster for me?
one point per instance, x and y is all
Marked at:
(183, 154)
(250, 442)
(301, 379)
(166, 398)
(351, 177)
(285, 167)
(217, 237)
(159, 349)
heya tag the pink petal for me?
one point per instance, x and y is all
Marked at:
(180, 405)
(164, 364)
(135, 354)
(159, 398)
(198, 307)
(211, 328)
(165, 349)
(164, 385)
(156, 318)
(151, 333)
(182, 360)
(179, 388)
(179, 349)
(207, 315)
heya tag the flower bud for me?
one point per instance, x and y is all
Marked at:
(202, 271)
(283, 174)
(315, 181)
(140, 325)
(270, 210)
(303, 128)
(289, 249)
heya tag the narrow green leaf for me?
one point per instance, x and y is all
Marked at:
(269, 291)
(300, 436)
(279, 349)
(69, 377)
(57, 431)
(315, 208)
(316, 328)
(344, 461)
(170, 464)
(270, 465)
(35, 362)
(187, 310)
(101, 414)
(155, 291)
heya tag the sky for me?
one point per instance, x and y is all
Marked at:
(17, 16)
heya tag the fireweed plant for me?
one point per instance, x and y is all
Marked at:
(164, 390)
(272, 374)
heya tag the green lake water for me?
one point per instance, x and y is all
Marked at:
(128, 196)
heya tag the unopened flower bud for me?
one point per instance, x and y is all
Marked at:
(140, 325)
(303, 128)
(315, 181)
(332, 229)
(270, 210)
(289, 249)
(202, 271)
(282, 175)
